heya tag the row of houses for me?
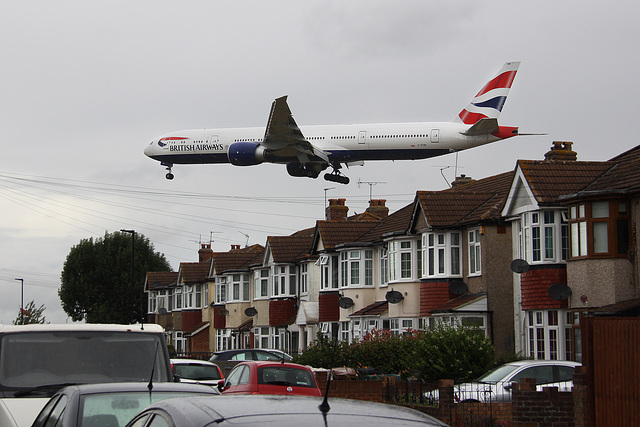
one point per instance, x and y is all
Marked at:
(521, 255)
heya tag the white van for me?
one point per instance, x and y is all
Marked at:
(37, 360)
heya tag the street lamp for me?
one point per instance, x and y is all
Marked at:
(133, 239)
(21, 301)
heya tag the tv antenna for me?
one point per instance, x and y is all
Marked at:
(371, 184)
(325, 195)
(246, 243)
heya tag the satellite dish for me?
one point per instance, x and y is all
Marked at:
(519, 266)
(559, 291)
(394, 297)
(458, 287)
(162, 310)
(223, 312)
(345, 302)
(251, 311)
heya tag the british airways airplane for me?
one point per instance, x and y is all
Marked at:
(309, 150)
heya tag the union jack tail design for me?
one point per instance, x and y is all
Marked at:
(489, 101)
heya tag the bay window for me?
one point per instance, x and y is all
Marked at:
(284, 281)
(599, 228)
(543, 236)
(356, 268)
(441, 254)
(239, 284)
(400, 257)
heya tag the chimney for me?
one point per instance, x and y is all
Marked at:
(337, 211)
(235, 247)
(561, 150)
(205, 253)
(378, 208)
(461, 180)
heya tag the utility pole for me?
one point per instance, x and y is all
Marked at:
(133, 240)
(21, 301)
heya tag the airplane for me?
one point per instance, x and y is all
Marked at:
(309, 150)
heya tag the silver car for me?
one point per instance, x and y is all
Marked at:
(496, 385)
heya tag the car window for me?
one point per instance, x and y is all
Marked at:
(195, 371)
(116, 409)
(260, 355)
(159, 421)
(565, 373)
(287, 376)
(542, 374)
(234, 376)
(244, 376)
(241, 356)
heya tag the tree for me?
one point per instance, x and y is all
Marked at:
(96, 278)
(31, 314)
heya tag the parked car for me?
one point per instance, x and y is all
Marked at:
(38, 360)
(283, 411)
(270, 378)
(196, 371)
(246, 354)
(110, 404)
(496, 385)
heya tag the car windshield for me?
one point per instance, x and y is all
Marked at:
(287, 376)
(36, 359)
(497, 374)
(116, 409)
(196, 371)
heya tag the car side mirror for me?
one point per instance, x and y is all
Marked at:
(176, 378)
(508, 387)
(221, 385)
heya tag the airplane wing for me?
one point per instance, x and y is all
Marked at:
(283, 136)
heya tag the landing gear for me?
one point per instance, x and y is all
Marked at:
(169, 175)
(336, 176)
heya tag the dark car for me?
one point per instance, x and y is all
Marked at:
(276, 411)
(109, 404)
(196, 371)
(265, 377)
(248, 354)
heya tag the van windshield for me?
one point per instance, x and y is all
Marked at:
(36, 359)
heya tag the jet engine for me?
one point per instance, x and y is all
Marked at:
(310, 170)
(246, 153)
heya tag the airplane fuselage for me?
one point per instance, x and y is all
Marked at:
(341, 143)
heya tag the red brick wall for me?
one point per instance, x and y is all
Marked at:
(549, 407)
(371, 391)
(433, 295)
(219, 321)
(329, 310)
(190, 319)
(199, 343)
(535, 284)
(281, 311)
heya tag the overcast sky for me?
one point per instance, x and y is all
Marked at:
(85, 86)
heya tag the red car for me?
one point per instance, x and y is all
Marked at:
(265, 377)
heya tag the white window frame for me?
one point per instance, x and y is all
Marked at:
(475, 252)
(239, 287)
(401, 257)
(356, 268)
(220, 290)
(304, 278)
(442, 254)
(261, 280)
(284, 282)
(329, 268)
(545, 334)
(177, 298)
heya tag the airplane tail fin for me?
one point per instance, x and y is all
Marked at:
(489, 101)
